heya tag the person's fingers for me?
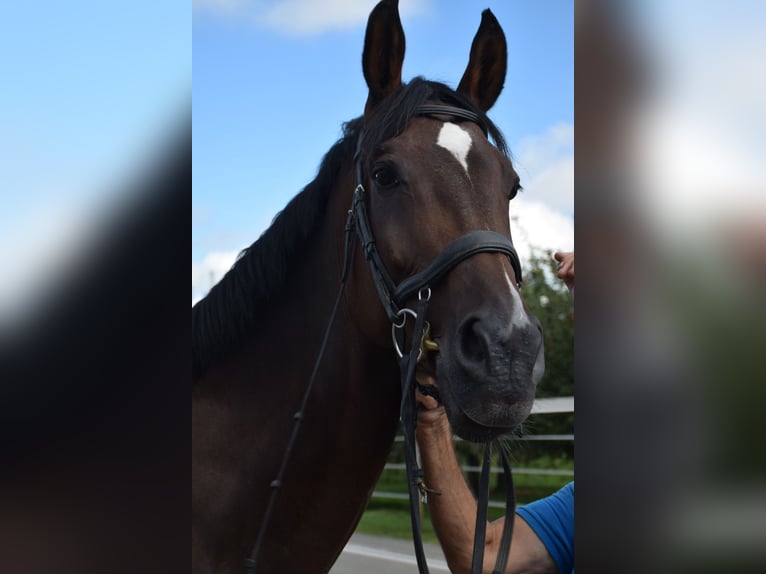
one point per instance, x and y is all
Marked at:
(430, 413)
(565, 266)
(426, 402)
(427, 379)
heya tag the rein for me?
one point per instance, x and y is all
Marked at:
(393, 297)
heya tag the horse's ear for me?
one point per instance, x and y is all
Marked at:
(383, 52)
(484, 77)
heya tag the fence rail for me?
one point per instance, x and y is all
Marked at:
(541, 406)
(497, 469)
(554, 437)
(403, 496)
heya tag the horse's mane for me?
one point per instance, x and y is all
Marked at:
(228, 315)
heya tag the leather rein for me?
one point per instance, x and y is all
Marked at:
(393, 297)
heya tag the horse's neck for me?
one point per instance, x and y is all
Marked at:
(243, 415)
(272, 371)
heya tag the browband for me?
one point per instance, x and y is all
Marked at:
(438, 109)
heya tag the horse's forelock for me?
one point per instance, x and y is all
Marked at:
(392, 116)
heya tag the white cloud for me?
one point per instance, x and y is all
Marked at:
(545, 164)
(542, 215)
(536, 225)
(301, 17)
(310, 16)
(209, 271)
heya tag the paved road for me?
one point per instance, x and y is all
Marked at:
(377, 555)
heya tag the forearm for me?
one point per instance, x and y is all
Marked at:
(453, 512)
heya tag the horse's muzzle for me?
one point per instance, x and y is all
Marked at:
(488, 372)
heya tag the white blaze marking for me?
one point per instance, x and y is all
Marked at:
(457, 141)
(518, 319)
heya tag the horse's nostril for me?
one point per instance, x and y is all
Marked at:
(473, 345)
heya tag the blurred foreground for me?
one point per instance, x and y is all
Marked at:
(671, 314)
(95, 204)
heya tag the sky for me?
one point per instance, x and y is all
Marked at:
(275, 79)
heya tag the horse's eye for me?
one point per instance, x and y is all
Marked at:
(385, 177)
(516, 189)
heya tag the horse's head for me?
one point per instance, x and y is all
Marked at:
(431, 177)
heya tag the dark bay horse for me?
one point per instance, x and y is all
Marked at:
(430, 179)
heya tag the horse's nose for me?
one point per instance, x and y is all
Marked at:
(489, 345)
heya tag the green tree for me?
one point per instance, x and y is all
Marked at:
(548, 298)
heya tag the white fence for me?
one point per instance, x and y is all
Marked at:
(541, 406)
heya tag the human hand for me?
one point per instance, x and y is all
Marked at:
(430, 413)
(565, 267)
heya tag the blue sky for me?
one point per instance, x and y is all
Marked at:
(83, 84)
(271, 90)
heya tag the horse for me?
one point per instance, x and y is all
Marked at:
(430, 176)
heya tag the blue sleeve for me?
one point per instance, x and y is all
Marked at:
(552, 519)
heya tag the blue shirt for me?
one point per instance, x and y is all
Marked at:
(552, 519)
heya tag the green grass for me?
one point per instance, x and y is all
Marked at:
(385, 517)
(394, 523)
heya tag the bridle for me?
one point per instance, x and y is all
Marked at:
(394, 296)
